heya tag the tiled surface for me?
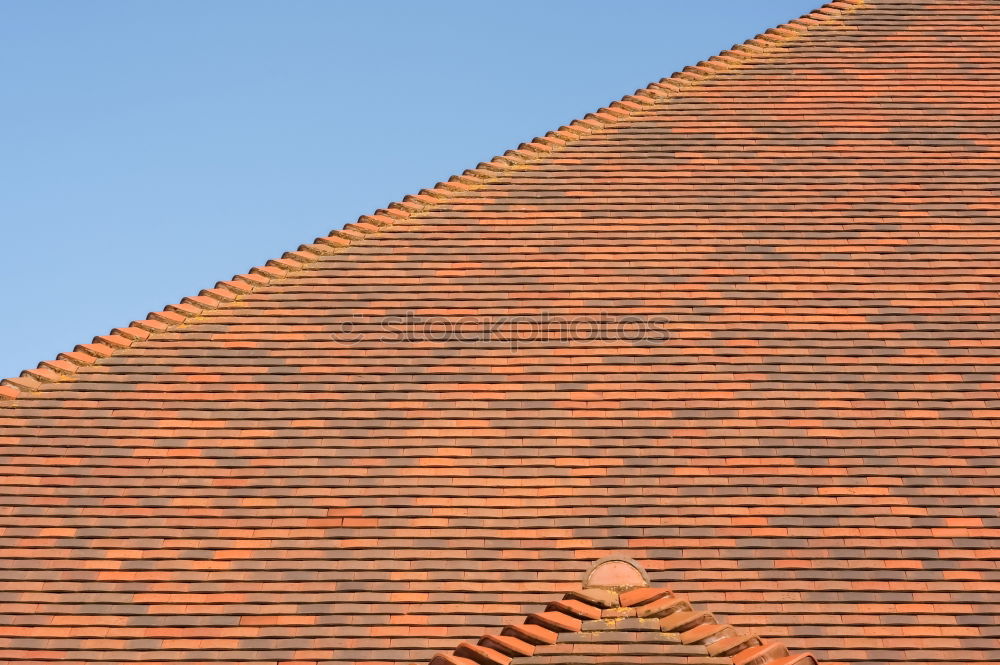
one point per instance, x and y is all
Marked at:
(591, 627)
(812, 453)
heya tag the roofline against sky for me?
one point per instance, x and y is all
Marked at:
(65, 366)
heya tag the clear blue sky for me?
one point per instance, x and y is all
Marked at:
(150, 149)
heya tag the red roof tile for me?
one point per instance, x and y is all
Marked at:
(812, 217)
(600, 627)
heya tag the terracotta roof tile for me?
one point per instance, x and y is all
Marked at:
(805, 444)
(679, 636)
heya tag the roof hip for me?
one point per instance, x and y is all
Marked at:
(595, 623)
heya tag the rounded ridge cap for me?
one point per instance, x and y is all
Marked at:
(615, 572)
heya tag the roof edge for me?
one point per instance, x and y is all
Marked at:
(597, 609)
(65, 366)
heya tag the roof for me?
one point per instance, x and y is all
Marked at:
(628, 623)
(803, 441)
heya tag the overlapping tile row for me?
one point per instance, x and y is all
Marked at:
(592, 626)
(804, 443)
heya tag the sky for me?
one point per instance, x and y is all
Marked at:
(150, 149)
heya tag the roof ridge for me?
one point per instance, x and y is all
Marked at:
(172, 316)
(639, 610)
